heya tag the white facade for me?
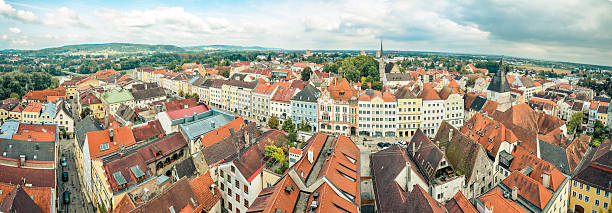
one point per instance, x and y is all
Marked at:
(238, 193)
(433, 114)
(453, 110)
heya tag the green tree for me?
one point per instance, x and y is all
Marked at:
(276, 154)
(574, 122)
(306, 74)
(273, 122)
(304, 126)
(85, 112)
(288, 126)
(224, 73)
(291, 138)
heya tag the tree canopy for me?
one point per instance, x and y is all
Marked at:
(575, 122)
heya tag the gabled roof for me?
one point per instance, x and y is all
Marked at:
(117, 96)
(84, 126)
(488, 132)
(427, 155)
(420, 201)
(185, 168)
(521, 119)
(460, 204)
(34, 151)
(229, 146)
(283, 94)
(308, 94)
(428, 93)
(404, 93)
(529, 189)
(341, 90)
(100, 140)
(203, 187)
(180, 104)
(18, 200)
(222, 132)
(276, 197)
(447, 91)
(88, 98)
(251, 161)
(36, 177)
(148, 93)
(523, 159)
(180, 197)
(153, 129)
(495, 199)
(547, 123)
(596, 170)
(460, 150)
(478, 103)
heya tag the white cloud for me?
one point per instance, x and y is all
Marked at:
(64, 17)
(4, 36)
(8, 11)
(14, 30)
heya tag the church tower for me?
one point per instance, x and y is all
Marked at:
(499, 89)
(381, 63)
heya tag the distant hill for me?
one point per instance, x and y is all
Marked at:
(109, 48)
(227, 47)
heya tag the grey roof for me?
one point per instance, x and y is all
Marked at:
(148, 93)
(427, 155)
(229, 146)
(50, 109)
(33, 150)
(602, 99)
(478, 103)
(555, 155)
(144, 86)
(84, 126)
(527, 81)
(596, 169)
(602, 109)
(386, 165)
(185, 168)
(577, 106)
(210, 121)
(308, 94)
(63, 107)
(124, 112)
(505, 159)
(398, 76)
(119, 178)
(499, 82)
(18, 200)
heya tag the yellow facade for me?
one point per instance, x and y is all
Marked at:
(102, 195)
(589, 199)
(603, 117)
(4, 115)
(97, 110)
(71, 92)
(408, 116)
(30, 117)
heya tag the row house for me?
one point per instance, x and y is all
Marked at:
(172, 118)
(44, 95)
(260, 101)
(280, 103)
(377, 114)
(338, 108)
(408, 112)
(543, 105)
(6, 106)
(145, 96)
(453, 105)
(238, 95)
(304, 107)
(432, 110)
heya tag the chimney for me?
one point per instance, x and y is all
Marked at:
(546, 179)
(450, 134)
(246, 137)
(514, 193)
(413, 151)
(212, 189)
(185, 106)
(110, 134)
(409, 185)
(212, 124)
(21, 160)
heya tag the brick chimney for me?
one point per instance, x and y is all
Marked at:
(514, 193)
(546, 179)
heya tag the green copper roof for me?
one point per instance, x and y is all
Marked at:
(115, 96)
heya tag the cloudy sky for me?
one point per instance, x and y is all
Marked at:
(567, 30)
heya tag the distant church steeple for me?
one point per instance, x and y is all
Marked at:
(499, 89)
(381, 63)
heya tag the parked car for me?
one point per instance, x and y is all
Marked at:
(63, 161)
(66, 197)
(65, 176)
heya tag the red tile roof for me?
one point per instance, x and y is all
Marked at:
(36, 128)
(283, 94)
(495, 200)
(36, 177)
(264, 88)
(152, 129)
(428, 93)
(41, 95)
(179, 196)
(250, 162)
(523, 159)
(180, 104)
(33, 107)
(529, 189)
(460, 203)
(341, 89)
(104, 73)
(88, 98)
(201, 186)
(488, 132)
(276, 198)
(125, 205)
(122, 137)
(181, 113)
(223, 132)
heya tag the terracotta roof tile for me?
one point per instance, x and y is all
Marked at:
(460, 204)
(180, 113)
(495, 199)
(539, 166)
(180, 104)
(201, 186)
(428, 93)
(36, 177)
(122, 136)
(151, 130)
(529, 189)
(222, 132)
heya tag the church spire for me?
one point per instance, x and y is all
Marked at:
(499, 83)
(381, 49)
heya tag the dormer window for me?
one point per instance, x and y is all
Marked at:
(104, 147)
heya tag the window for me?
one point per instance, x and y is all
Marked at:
(246, 189)
(605, 205)
(588, 188)
(237, 197)
(579, 196)
(246, 203)
(229, 192)
(222, 174)
(607, 194)
(596, 202)
(573, 194)
(586, 198)
(237, 183)
(598, 191)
